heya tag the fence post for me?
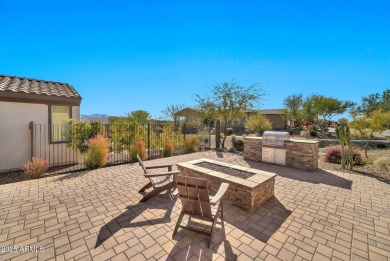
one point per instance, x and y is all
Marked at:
(148, 140)
(184, 131)
(217, 134)
(209, 125)
(31, 126)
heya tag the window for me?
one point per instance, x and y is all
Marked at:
(58, 117)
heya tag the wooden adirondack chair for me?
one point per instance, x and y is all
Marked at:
(196, 203)
(159, 181)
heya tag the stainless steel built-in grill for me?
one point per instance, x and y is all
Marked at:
(273, 147)
(275, 138)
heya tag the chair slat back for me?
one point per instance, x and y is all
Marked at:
(194, 195)
(153, 180)
(142, 164)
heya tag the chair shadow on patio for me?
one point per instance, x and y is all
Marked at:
(319, 176)
(263, 222)
(190, 244)
(259, 225)
(138, 215)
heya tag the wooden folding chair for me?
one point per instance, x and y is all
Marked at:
(159, 181)
(196, 203)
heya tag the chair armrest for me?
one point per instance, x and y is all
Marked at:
(221, 192)
(160, 166)
(175, 193)
(169, 173)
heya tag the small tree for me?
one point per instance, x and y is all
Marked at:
(228, 101)
(293, 104)
(139, 116)
(365, 126)
(328, 107)
(170, 110)
(258, 123)
(375, 102)
(309, 110)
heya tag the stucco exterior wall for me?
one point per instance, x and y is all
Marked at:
(15, 135)
(278, 121)
(76, 113)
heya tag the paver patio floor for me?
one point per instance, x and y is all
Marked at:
(95, 215)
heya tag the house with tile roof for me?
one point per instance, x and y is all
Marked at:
(26, 103)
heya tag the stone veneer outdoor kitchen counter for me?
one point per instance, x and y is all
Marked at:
(247, 194)
(300, 154)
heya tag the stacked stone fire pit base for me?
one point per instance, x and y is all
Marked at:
(248, 194)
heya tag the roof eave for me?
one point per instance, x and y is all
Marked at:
(39, 98)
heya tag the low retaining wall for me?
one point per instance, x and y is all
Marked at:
(300, 154)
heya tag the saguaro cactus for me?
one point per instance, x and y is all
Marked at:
(218, 134)
(344, 135)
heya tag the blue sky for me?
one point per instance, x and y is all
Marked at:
(128, 55)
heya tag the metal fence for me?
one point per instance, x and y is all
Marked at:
(63, 144)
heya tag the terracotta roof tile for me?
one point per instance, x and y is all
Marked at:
(33, 86)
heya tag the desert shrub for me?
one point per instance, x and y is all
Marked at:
(258, 123)
(190, 144)
(97, 153)
(238, 144)
(138, 148)
(79, 133)
(313, 133)
(229, 131)
(233, 136)
(333, 155)
(168, 149)
(36, 168)
(382, 163)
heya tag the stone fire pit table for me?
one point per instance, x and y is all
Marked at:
(249, 188)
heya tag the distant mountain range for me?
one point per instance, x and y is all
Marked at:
(95, 117)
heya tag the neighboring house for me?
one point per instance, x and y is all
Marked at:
(187, 115)
(277, 117)
(45, 103)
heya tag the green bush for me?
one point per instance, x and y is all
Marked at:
(97, 153)
(258, 123)
(78, 133)
(168, 149)
(229, 131)
(238, 144)
(36, 168)
(313, 133)
(138, 148)
(190, 144)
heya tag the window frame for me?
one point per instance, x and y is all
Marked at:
(50, 123)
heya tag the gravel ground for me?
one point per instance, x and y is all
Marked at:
(367, 169)
(11, 177)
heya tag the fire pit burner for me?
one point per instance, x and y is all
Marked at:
(230, 171)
